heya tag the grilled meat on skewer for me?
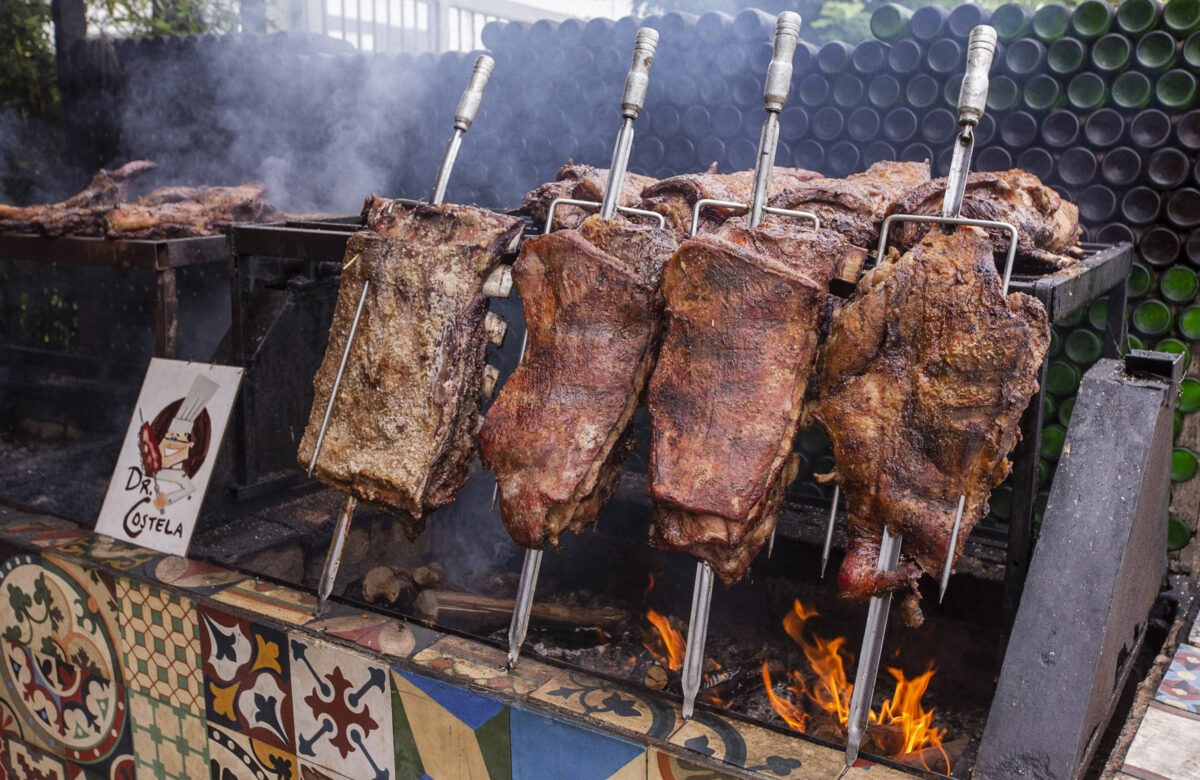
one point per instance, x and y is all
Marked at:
(581, 182)
(1047, 226)
(81, 214)
(743, 309)
(401, 432)
(176, 212)
(675, 197)
(856, 205)
(558, 431)
(923, 381)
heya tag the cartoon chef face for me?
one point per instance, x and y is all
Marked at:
(175, 448)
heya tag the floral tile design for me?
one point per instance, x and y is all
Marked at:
(444, 731)
(342, 709)
(1181, 685)
(168, 742)
(483, 665)
(234, 755)
(160, 642)
(29, 763)
(380, 633)
(108, 551)
(661, 765)
(611, 704)
(542, 746)
(247, 680)
(270, 600)
(199, 578)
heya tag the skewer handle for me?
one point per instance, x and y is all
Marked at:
(468, 104)
(972, 98)
(638, 80)
(779, 72)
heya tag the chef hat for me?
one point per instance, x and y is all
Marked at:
(202, 390)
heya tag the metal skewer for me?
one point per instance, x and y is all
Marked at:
(972, 100)
(464, 116)
(632, 101)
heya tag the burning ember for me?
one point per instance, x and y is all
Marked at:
(664, 642)
(817, 701)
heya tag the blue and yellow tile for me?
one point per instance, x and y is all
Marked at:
(236, 754)
(443, 731)
(543, 746)
(160, 644)
(475, 663)
(611, 704)
(1180, 687)
(168, 743)
(276, 602)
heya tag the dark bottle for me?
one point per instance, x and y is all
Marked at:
(1018, 130)
(803, 61)
(1181, 17)
(1060, 129)
(923, 91)
(680, 155)
(647, 152)
(939, 126)
(1012, 21)
(945, 55)
(1176, 89)
(1112, 53)
(985, 130)
(793, 123)
(899, 125)
(828, 123)
(1003, 93)
(1037, 161)
(697, 122)
(1104, 128)
(665, 121)
(1077, 166)
(1160, 246)
(1155, 51)
(731, 60)
(714, 26)
(876, 151)
(1189, 323)
(808, 154)
(1135, 17)
(814, 90)
(1183, 208)
(1083, 346)
(889, 22)
(862, 124)
(951, 89)
(834, 57)
(994, 159)
(1092, 18)
(1065, 56)
(754, 25)
(1188, 130)
(1024, 57)
(1191, 51)
(905, 57)
(928, 22)
(1140, 206)
(869, 57)
(942, 166)
(842, 159)
(746, 91)
(1097, 203)
(848, 91)
(883, 91)
(1131, 90)
(966, 17)
(713, 89)
(1150, 129)
(1139, 282)
(1118, 233)
(1193, 248)
(1050, 22)
(1121, 166)
(1042, 93)
(1152, 317)
(742, 154)
(915, 153)
(1086, 91)
(1168, 168)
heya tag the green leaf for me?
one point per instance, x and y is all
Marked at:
(1178, 534)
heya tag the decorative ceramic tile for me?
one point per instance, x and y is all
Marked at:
(711, 737)
(661, 765)
(28, 763)
(609, 703)
(380, 633)
(1166, 746)
(273, 601)
(1194, 634)
(444, 732)
(484, 665)
(160, 639)
(46, 534)
(167, 742)
(544, 747)
(108, 551)
(342, 709)
(236, 755)
(194, 576)
(314, 772)
(1181, 685)
(247, 683)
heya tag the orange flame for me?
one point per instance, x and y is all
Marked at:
(667, 645)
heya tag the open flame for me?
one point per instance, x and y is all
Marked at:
(903, 725)
(665, 643)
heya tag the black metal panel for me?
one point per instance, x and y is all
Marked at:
(154, 254)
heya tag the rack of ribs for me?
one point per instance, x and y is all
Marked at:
(675, 197)
(923, 381)
(743, 309)
(177, 212)
(856, 205)
(401, 433)
(579, 182)
(558, 432)
(1047, 226)
(81, 214)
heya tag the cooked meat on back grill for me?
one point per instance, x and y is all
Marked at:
(1047, 226)
(675, 197)
(924, 379)
(856, 205)
(559, 429)
(581, 182)
(401, 432)
(743, 311)
(176, 212)
(81, 214)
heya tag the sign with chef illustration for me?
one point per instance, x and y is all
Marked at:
(168, 454)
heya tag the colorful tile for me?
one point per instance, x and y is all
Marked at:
(1166, 746)
(478, 664)
(314, 772)
(661, 765)
(1180, 687)
(194, 576)
(342, 709)
(380, 633)
(274, 601)
(247, 680)
(160, 641)
(232, 754)
(712, 737)
(29, 763)
(46, 534)
(108, 551)
(610, 703)
(443, 731)
(168, 742)
(544, 747)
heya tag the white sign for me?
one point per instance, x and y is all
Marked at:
(168, 454)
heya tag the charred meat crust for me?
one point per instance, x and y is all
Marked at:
(177, 212)
(675, 197)
(581, 182)
(83, 213)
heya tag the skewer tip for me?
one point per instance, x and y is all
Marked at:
(824, 563)
(513, 655)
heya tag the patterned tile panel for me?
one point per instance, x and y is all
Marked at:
(29, 763)
(108, 551)
(611, 704)
(1180, 687)
(247, 680)
(483, 665)
(168, 743)
(1166, 746)
(236, 755)
(270, 600)
(342, 709)
(543, 746)
(661, 765)
(45, 534)
(160, 640)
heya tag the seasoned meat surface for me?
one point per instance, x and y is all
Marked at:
(176, 212)
(923, 382)
(743, 312)
(581, 182)
(1047, 226)
(675, 197)
(558, 431)
(401, 433)
(83, 213)
(856, 205)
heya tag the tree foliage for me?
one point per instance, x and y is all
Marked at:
(27, 83)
